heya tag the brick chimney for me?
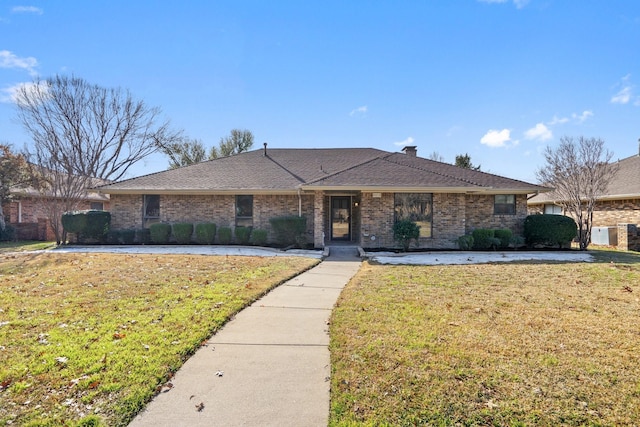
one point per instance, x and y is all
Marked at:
(410, 150)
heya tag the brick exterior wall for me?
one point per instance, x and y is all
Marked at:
(127, 210)
(453, 215)
(628, 237)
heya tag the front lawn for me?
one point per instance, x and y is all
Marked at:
(497, 344)
(90, 338)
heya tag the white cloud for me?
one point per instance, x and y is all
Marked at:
(407, 141)
(625, 94)
(27, 9)
(12, 93)
(10, 60)
(582, 117)
(360, 111)
(496, 138)
(539, 132)
(558, 121)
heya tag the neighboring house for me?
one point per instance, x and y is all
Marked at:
(26, 212)
(351, 195)
(620, 205)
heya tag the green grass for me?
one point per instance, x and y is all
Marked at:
(88, 339)
(506, 344)
(25, 246)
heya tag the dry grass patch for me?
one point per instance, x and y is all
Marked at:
(506, 344)
(88, 339)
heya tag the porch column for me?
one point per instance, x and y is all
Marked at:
(318, 219)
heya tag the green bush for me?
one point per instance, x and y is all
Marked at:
(504, 236)
(242, 235)
(550, 230)
(182, 231)
(97, 225)
(143, 236)
(87, 225)
(127, 237)
(160, 233)
(289, 230)
(8, 234)
(205, 233)
(483, 239)
(465, 242)
(259, 237)
(404, 231)
(224, 235)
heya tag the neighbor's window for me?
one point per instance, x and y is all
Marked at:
(504, 204)
(97, 206)
(244, 211)
(416, 207)
(553, 209)
(151, 208)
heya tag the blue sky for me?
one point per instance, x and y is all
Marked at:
(499, 80)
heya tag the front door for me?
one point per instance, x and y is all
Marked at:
(341, 218)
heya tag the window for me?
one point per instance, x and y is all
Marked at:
(504, 204)
(151, 208)
(553, 209)
(244, 211)
(416, 207)
(97, 206)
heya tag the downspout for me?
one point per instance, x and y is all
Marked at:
(299, 203)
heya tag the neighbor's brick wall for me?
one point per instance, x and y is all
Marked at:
(607, 213)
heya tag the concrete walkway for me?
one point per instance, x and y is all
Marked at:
(269, 366)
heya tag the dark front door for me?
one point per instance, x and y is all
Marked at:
(341, 218)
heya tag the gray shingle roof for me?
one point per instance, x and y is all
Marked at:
(287, 170)
(624, 185)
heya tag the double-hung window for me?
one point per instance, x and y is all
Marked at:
(244, 211)
(504, 204)
(416, 207)
(151, 209)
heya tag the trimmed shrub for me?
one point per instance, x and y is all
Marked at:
(242, 235)
(160, 233)
(205, 233)
(97, 225)
(8, 234)
(143, 236)
(404, 231)
(483, 239)
(182, 232)
(259, 237)
(504, 236)
(289, 230)
(465, 242)
(224, 235)
(550, 230)
(127, 237)
(87, 225)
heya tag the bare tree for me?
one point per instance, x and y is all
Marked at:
(14, 172)
(82, 131)
(436, 157)
(237, 142)
(184, 152)
(580, 171)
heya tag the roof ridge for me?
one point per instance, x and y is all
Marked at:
(284, 168)
(386, 153)
(437, 173)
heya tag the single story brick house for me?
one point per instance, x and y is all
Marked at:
(619, 207)
(351, 195)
